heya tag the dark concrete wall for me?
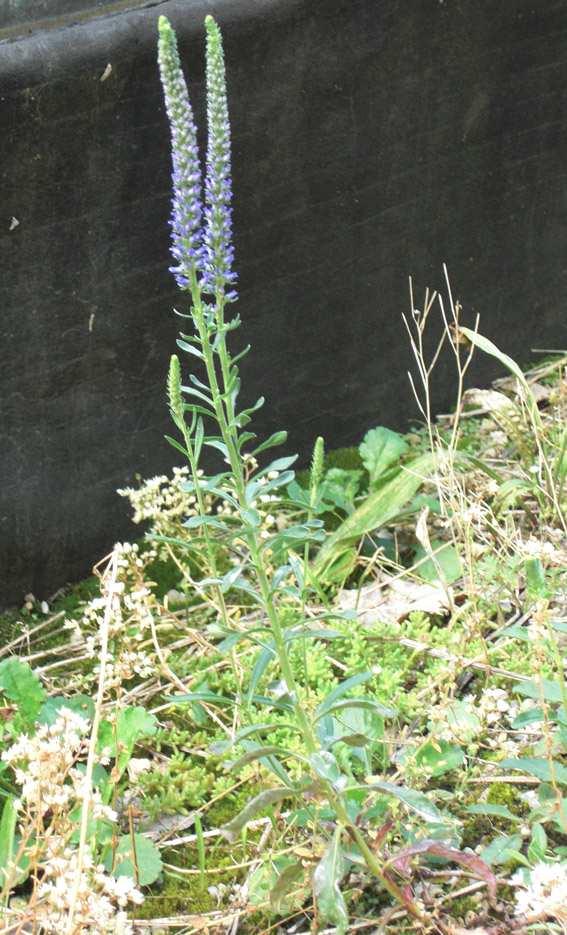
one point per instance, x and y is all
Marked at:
(371, 141)
(26, 16)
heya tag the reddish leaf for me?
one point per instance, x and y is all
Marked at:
(401, 861)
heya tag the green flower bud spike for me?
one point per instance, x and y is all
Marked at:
(174, 390)
(317, 466)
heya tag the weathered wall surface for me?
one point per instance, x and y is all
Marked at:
(371, 141)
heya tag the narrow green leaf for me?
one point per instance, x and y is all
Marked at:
(489, 348)
(278, 438)
(285, 882)
(8, 825)
(342, 689)
(415, 801)
(366, 704)
(257, 753)
(538, 844)
(258, 804)
(498, 811)
(200, 696)
(178, 447)
(478, 340)
(328, 874)
(262, 662)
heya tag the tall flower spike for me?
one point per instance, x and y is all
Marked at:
(219, 252)
(187, 209)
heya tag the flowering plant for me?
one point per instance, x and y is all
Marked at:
(269, 564)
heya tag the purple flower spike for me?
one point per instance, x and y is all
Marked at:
(187, 209)
(218, 275)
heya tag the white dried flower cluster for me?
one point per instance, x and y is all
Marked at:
(99, 901)
(545, 551)
(162, 500)
(455, 724)
(43, 762)
(546, 893)
(466, 721)
(52, 788)
(495, 707)
(474, 514)
(133, 610)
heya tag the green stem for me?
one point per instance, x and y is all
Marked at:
(224, 413)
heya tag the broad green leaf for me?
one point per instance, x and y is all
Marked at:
(501, 849)
(531, 689)
(446, 559)
(328, 874)
(20, 684)
(536, 766)
(380, 448)
(80, 704)
(511, 491)
(326, 767)
(439, 757)
(119, 739)
(258, 804)
(533, 716)
(536, 585)
(136, 856)
(356, 727)
(377, 510)
(338, 488)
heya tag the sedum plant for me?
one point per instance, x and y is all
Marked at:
(271, 567)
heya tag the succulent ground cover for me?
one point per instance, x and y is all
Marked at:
(332, 701)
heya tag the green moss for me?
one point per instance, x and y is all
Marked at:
(177, 896)
(503, 793)
(463, 905)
